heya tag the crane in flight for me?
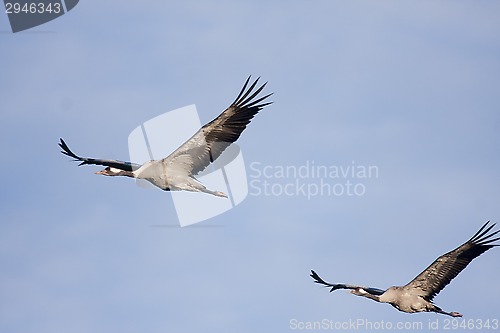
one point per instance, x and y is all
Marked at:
(177, 171)
(417, 295)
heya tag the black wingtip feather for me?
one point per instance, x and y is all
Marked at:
(316, 277)
(260, 106)
(241, 101)
(482, 238)
(242, 89)
(245, 97)
(66, 151)
(480, 232)
(319, 280)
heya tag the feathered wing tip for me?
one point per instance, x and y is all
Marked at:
(243, 99)
(444, 269)
(316, 277)
(125, 166)
(335, 286)
(319, 280)
(482, 237)
(66, 151)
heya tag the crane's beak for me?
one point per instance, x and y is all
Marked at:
(102, 172)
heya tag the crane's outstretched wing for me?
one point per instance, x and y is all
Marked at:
(445, 268)
(206, 145)
(317, 279)
(126, 166)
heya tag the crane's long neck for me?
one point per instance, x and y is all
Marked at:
(373, 297)
(364, 293)
(126, 174)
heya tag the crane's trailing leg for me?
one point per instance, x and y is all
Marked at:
(452, 314)
(195, 186)
(216, 193)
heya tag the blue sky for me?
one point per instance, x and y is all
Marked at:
(410, 87)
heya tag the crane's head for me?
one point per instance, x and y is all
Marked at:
(108, 171)
(359, 292)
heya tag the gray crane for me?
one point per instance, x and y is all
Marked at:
(417, 295)
(176, 172)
